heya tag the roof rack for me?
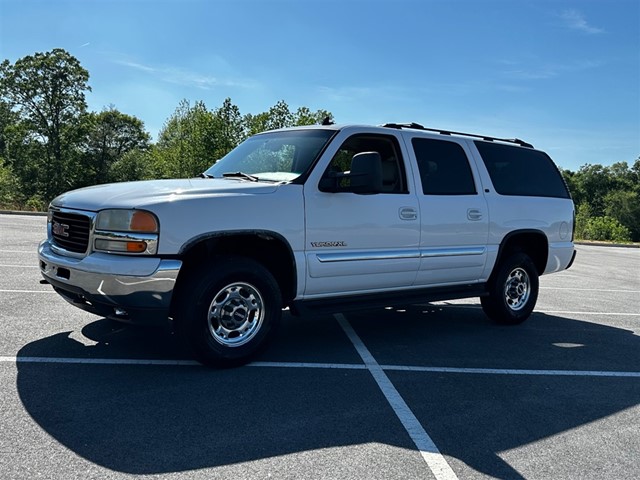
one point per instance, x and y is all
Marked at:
(417, 126)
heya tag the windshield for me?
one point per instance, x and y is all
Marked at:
(276, 157)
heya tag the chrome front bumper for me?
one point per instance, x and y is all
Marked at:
(126, 288)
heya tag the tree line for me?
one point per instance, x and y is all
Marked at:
(51, 143)
(607, 200)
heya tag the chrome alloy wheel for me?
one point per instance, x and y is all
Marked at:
(236, 314)
(517, 289)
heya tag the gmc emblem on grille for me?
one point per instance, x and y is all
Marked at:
(60, 229)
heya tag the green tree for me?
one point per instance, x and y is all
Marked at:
(606, 228)
(591, 185)
(624, 206)
(136, 164)
(47, 90)
(280, 116)
(583, 214)
(23, 154)
(606, 197)
(10, 196)
(7, 118)
(304, 116)
(186, 143)
(229, 129)
(256, 123)
(108, 136)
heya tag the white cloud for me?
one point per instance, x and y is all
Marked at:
(546, 71)
(183, 77)
(339, 94)
(575, 20)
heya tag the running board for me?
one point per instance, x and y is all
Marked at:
(376, 300)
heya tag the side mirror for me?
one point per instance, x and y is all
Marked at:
(366, 173)
(364, 177)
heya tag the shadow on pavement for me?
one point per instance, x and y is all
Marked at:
(159, 419)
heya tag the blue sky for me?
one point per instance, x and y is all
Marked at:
(563, 75)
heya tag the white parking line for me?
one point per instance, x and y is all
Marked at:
(589, 290)
(20, 266)
(477, 307)
(329, 366)
(510, 371)
(27, 291)
(99, 361)
(427, 448)
(564, 312)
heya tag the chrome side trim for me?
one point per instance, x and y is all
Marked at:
(399, 254)
(364, 256)
(452, 252)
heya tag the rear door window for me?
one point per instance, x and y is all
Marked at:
(444, 167)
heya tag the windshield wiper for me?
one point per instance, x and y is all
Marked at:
(246, 176)
(205, 175)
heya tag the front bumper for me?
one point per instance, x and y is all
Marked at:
(125, 288)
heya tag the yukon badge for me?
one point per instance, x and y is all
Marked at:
(60, 229)
(328, 244)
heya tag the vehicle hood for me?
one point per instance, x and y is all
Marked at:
(150, 192)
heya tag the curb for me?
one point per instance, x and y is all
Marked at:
(606, 244)
(15, 212)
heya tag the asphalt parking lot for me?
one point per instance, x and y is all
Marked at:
(434, 391)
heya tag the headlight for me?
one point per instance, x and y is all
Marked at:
(127, 221)
(126, 231)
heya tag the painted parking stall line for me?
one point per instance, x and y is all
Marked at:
(590, 290)
(99, 361)
(427, 448)
(609, 314)
(328, 366)
(34, 251)
(20, 266)
(554, 312)
(27, 291)
(511, 371)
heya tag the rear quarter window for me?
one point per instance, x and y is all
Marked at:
(521, 171)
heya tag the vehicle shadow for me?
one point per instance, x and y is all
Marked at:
(143, 419)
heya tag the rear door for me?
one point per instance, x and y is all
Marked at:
(454, 213)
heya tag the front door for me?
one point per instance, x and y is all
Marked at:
(361, 243)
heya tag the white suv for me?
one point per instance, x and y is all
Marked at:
(323, 218)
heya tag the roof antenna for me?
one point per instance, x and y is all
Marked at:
(327, 121)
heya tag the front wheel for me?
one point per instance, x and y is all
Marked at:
(513, 291)
(228, 311)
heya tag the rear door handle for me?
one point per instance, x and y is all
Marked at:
(408, 213)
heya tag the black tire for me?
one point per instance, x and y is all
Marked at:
(513, 290)
(228, 311)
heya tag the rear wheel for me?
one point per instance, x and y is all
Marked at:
(228, 311)
(513, 291)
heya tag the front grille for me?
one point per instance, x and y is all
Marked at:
(70, 231)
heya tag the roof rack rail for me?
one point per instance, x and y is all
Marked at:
(417, 126)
